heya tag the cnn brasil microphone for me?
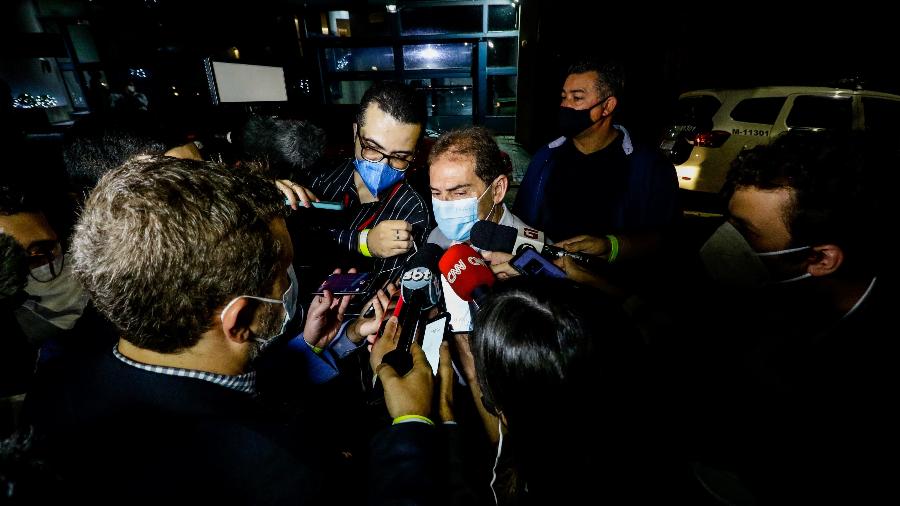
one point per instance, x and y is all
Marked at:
(420, 289)
(466, 272)
(491, 236)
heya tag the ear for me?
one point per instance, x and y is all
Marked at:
(500, 187)
(236, 319)
(355, 129)
(609, 106)
(825, 260)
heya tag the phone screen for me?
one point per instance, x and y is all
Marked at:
(431, 340)
(345, 284)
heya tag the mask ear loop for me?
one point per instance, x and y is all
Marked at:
(491, 212)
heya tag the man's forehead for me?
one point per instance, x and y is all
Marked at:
(585, 81)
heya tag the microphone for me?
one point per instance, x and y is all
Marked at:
(420, 290)
(467, 273)
(491, 236)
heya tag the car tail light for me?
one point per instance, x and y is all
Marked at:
(711, 139)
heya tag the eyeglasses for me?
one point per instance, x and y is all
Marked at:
(373, 155)
(47, 253)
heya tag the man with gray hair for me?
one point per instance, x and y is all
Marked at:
(192, 263)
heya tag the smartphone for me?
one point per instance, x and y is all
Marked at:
(531, 263)
(435, 330)
(332, 206)
(345, 284)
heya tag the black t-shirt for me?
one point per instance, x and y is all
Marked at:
(584, 191)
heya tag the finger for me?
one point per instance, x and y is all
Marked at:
(310, 195)
(391, 331)
(301, 194)
(284, 186)
(391, 289)
(561, 262)
(342, 307)
(445, 368)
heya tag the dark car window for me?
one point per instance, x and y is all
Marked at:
(882, 116)
(758, 110)
(697, 111)
(816, 112)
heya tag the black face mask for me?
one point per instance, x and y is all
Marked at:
(572, 122)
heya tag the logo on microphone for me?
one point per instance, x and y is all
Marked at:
(530, 233)
(461, 266)
(416, 278)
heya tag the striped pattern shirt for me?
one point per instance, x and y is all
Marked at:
(405, 205)
(245, 383)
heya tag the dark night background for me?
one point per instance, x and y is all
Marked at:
(666, 49)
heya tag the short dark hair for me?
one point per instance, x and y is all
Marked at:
(13, 272)
(90, 153)
(398, 100)
(611, 81)
(162, 242)
(838, 183)
(284, 147)
(478, 143)
(543, 349)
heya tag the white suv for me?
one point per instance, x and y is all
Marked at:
(712, 126)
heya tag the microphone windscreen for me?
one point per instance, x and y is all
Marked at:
(465, 271)
(490, 236)
(427, 256)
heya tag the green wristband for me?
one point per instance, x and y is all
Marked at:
(613, 248)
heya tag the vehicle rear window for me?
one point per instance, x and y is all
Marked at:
(697, 111)
(882, 116)
(820, 113)
(758, 110)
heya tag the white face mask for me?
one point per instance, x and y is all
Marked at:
(288, 302)
(731, 261)
(52, 306)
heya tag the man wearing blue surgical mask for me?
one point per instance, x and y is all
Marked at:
(800, 358)
(469, 178)
(384, 215)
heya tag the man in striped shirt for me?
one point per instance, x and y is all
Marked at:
(385, 215)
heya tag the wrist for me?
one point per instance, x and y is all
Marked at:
(353, 332)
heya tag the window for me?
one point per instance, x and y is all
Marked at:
(503, 52)
(501, 95)
(502, 17)
(447, 96)
(438, 56)
(882, 116)
(436, 20)
(359, 59)
(697, 111)
(348, 92)
(811, 112)
(758, 110)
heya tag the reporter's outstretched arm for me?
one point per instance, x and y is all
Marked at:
(403, 465)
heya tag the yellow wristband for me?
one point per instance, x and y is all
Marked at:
(363, 243)
(404, 418)
(613, 248)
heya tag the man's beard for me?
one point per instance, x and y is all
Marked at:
(269, 326)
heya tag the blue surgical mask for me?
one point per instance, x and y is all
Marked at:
(377, 176)
(288, 302)
(455, 218)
